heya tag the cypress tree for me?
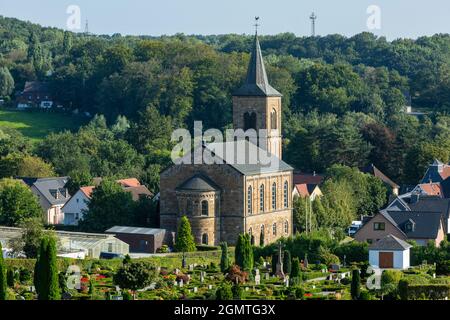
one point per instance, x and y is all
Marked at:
(40, 270)
(287, 264)
(238, 251)
(244, 252)
(54, 292)
(274, 262)
(355, 289)
(2, 276)
(295, 272)
(184, 240)
(261, 239)
(224, 259)
(10, 278)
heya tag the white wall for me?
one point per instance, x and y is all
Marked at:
(401, 258)
(75, 206)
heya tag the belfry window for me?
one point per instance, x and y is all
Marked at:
(249, 121)
(261, 198)
(273, 120)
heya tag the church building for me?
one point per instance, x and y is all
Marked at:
(223, 200)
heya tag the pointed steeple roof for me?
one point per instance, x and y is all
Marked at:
(256, 82)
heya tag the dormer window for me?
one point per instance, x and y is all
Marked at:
(409, 226)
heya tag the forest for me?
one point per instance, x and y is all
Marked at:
(344, 98)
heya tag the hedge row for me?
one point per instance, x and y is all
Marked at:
(423, 291)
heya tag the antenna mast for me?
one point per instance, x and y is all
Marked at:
(313, 18)
(86, 28)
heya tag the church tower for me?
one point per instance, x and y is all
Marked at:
(256, 105)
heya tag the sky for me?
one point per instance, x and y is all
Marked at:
(397, 18)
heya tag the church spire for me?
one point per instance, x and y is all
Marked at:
(256, 82)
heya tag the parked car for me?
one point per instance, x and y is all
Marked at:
(354, 228)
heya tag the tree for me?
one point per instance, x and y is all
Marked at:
(29, 242)
(261, 239)
(46, 278)
(237, 291)
(54, 292)
(109, 206)
(295, 271)
(30, 166)
(3, 286)
(184, 239)
(17, 203)
(389, 282)
(10, 277)
(355, 288)
(134, 276)
(224, 292)
(244, 252)
(287, 263)
(6, 82)
(78, 179)
(224, 259)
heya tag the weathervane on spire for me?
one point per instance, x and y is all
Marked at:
(256, 24)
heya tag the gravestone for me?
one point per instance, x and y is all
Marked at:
(181, 283)
(195, 289)
(175, 283)
(335, 267)
(191, 267)
(202, 276)
(286, 281)
(210, 287)
(177, 271)
(258, 279)
(267, 276)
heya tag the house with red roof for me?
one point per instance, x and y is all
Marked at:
(307, 185)
(75, 208)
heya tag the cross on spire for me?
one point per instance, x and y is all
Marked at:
(256, 24)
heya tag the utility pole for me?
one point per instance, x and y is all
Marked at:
(313, 18)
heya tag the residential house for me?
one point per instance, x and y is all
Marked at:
(429, 189)
(371, 169)
(310, 191)
(419, 226)
(438, 173)
(140, 240)
(52, 194)
(390, 252)
(35, 94)
(307, 185)
(424, 203)
(78, 204)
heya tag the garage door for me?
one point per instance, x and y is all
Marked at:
(386, 260)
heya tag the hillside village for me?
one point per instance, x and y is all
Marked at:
(107, 201)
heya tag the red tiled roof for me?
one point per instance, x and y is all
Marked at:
(130, 182)
(139, 191)
(432, 189)
(302, 190)
(87, 191)
(301, 178)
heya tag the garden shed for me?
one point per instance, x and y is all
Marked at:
(390, 252)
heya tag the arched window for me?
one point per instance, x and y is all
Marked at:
(249, 200)
(261, 236)
(250, 231)
(205, 208)
(274, 196)
(261, 198)
(286, 227)
(273, 120)
(205, 239)
(274, 229)
(249, 121)
(286, 194)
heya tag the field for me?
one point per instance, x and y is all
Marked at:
(37, 125)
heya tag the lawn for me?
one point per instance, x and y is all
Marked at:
(36, 125)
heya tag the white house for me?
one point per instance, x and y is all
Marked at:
(74, 208)
(390, 252)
